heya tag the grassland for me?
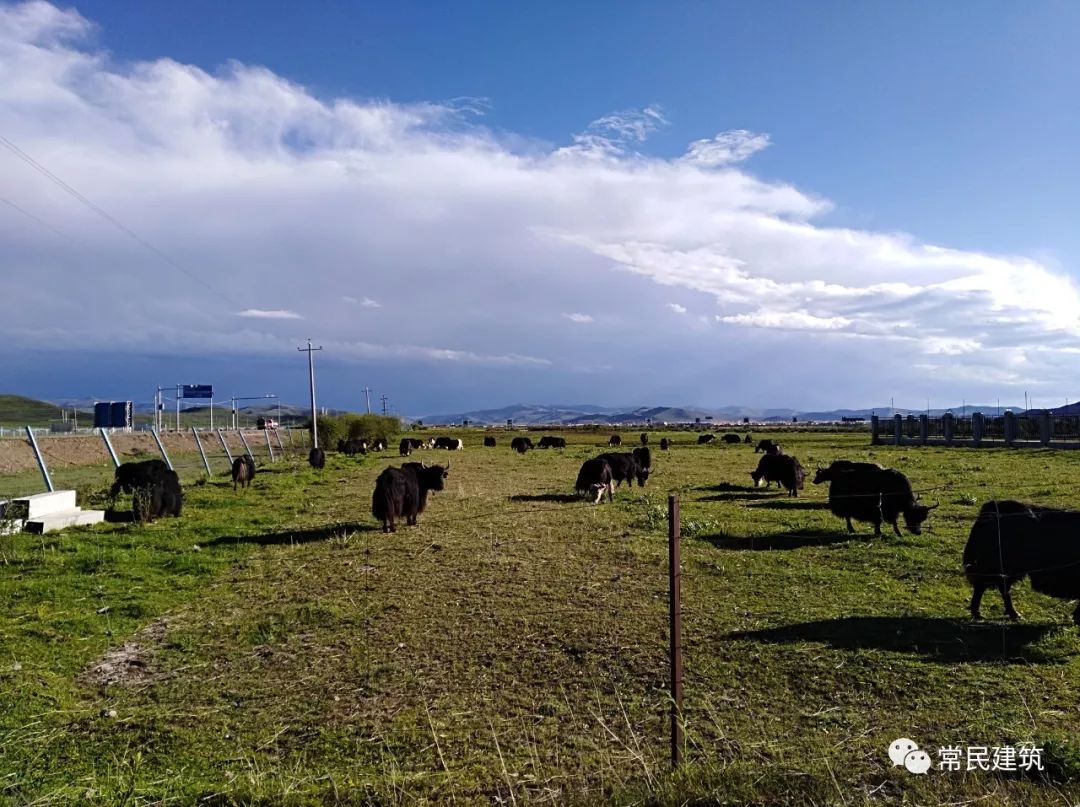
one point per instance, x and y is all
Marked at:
(16, 411)
(273, 647)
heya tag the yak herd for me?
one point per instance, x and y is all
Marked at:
(1009, 541)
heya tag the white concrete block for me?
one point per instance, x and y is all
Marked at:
(41, 504)
(59, 521)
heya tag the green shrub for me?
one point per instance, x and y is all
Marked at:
(351, 426)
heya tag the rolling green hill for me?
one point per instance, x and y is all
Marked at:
(15, 410)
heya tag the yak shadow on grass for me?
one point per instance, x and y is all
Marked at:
(294, 536)
(792, 503)
(796, 539)
(561, 498)
(947, 641)
(119, 516)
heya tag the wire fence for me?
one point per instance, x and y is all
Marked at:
(83, 461)
(1029, 429)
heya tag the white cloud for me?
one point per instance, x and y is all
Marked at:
(727, 147)
(261, 313)
(254, 183)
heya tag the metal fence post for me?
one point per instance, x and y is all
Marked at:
(225, 445)
(40, 459)
(246, 446)
(161, 448)
(269, 447)
(277, 436)
(675, 628)
(202, 453)
(109, 446)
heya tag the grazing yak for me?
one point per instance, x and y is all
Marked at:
(489, 442)
(614, 440)
(626, 468)
(133, 475)
(408, 445)
(732, 439)
(748, 440)
(1011, 540)
(552, 442)
(379, 444)
(350, 448)
(402, 492)
(644, 439)
(841, 466)
(705, 439)
(449, 443)
(156, 489)
(768, 447)
(317, 459)
(243, 471)
(521, 444)
(595, 478)
(644, 457)
(782, 469)
(664, 443)
(164, 497)
(876, 495)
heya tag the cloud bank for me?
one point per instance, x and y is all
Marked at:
(415, 234)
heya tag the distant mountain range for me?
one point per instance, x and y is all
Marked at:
(571, 415)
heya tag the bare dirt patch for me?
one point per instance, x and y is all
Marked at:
(129, 664)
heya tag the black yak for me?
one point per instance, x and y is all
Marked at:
(626, 468)
(552, 442)
(644, 457)
(405, 447)
(664, 443)
(748, 440)
(243, 471)
(614, 440)
(595, 478)
(768, 447)
(782, 469)
(317, 459)
(841, 466)
(402, 492)
(705, 439)
(521, 444)
(133, 475)
(489, 442)
(876, 495)
(1012, 540)
(162, 497)
(732, 439)
(350, 448)
(449, 443)
(644, 439)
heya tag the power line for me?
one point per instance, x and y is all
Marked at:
(34, 218)
(41, 169)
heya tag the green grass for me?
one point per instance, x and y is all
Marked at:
(512, 648)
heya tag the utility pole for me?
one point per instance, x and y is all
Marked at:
(367, 396)
(311, 379)
(383, 398)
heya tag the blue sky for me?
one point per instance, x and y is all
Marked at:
(607, 267)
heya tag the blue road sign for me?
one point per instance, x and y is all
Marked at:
(197, 391)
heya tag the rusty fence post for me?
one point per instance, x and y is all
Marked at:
(675, 629)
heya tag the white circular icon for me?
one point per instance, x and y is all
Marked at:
(917, 761)
(900, 749)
